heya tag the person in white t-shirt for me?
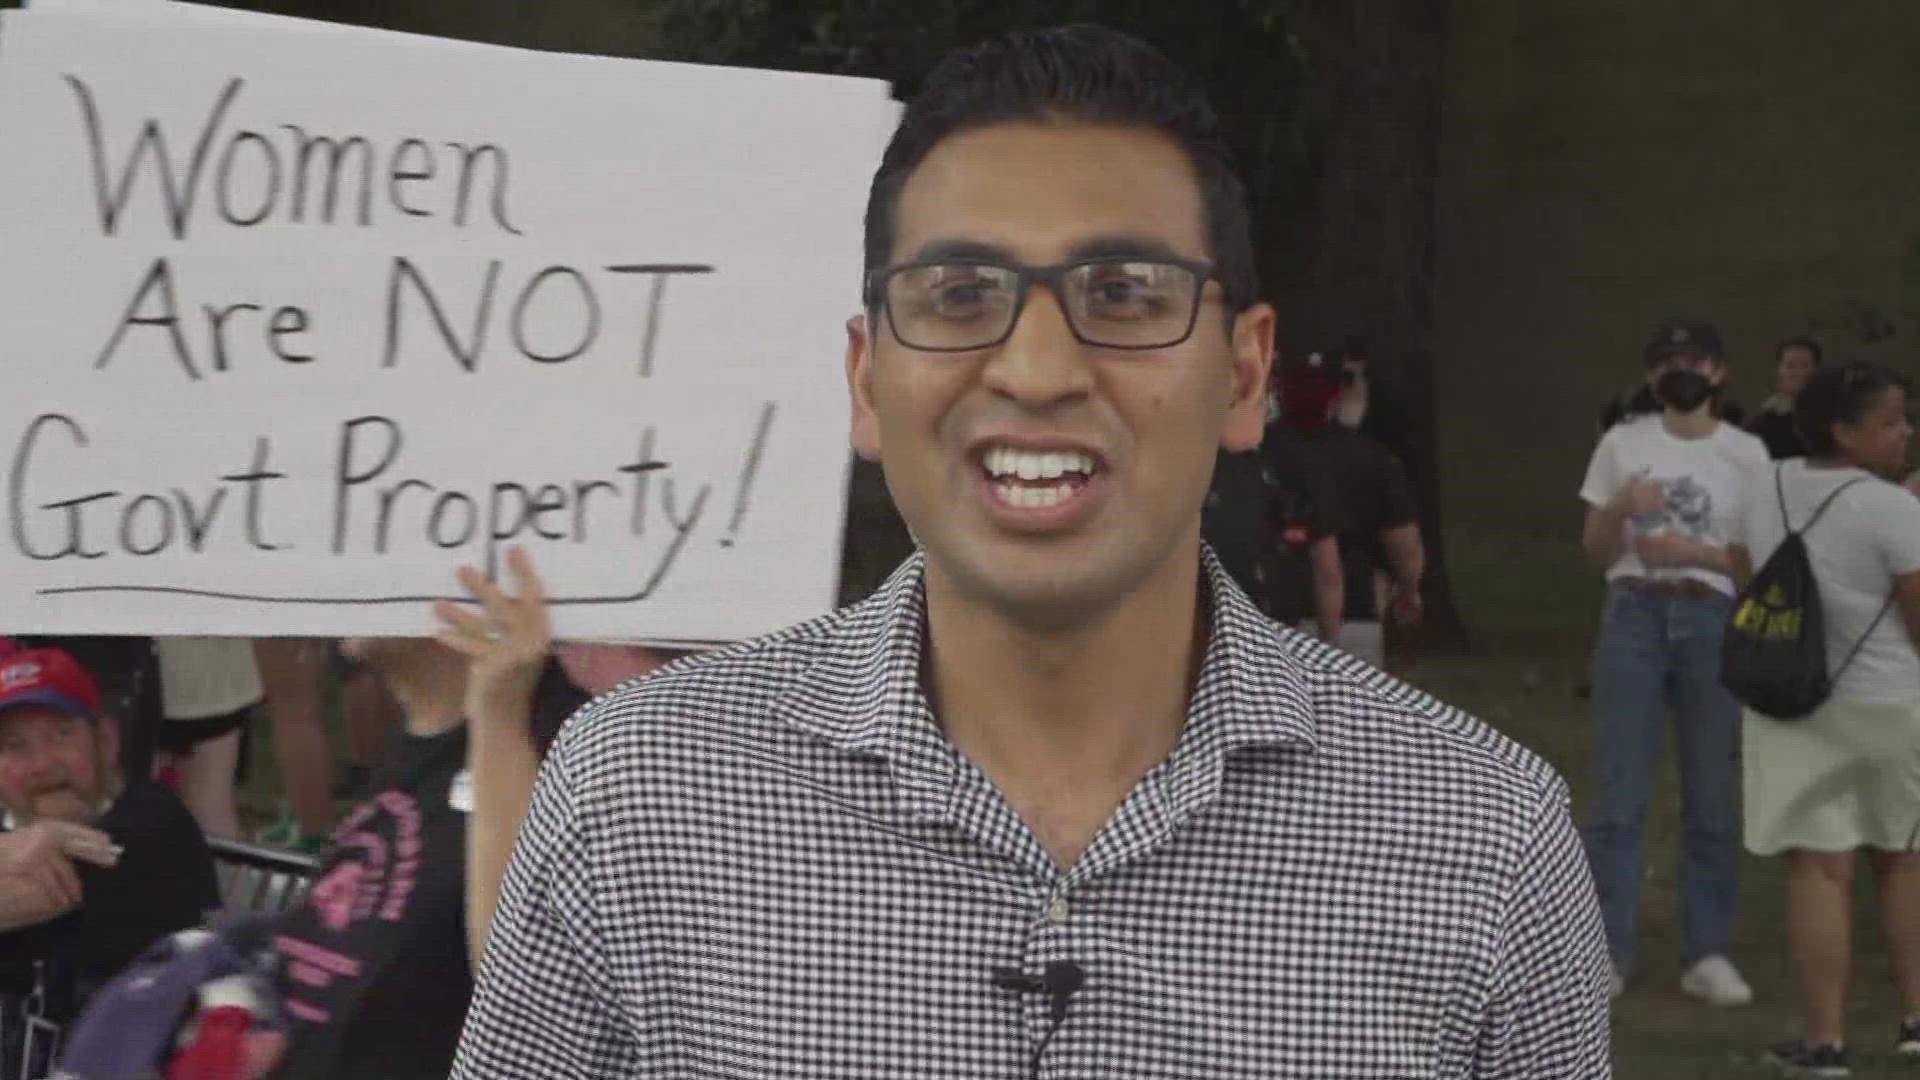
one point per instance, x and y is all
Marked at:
(1666, 500)
(1847, 778)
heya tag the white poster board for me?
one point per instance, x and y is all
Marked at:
(297, 323)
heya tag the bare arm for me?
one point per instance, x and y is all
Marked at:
(506, 645)
(1602, 535)
(38, 882)
(1670, 550)
(1329, 587)
(1406, 555)
(1906, 593)
(1742, 563)
(503, 766)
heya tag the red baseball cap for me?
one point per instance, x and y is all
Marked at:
(1307, 395)
(48, 677)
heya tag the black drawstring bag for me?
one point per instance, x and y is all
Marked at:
(1774, 656)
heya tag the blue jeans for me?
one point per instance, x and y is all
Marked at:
(1657, 650)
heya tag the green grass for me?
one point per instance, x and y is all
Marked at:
(1533, 608)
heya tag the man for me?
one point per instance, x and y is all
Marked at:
(1058, 799)
(1665, 496)
(1365, 405)
(1378, 523)
(1269, 517)
(93, 868)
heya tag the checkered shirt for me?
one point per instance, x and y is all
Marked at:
(769, 862)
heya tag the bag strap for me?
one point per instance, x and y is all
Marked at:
(1862, 643)
(1779, 489)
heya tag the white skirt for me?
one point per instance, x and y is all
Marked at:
(1845, 778)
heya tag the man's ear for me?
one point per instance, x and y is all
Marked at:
(1252, 358)
(865, 432)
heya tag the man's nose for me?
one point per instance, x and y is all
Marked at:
(1041, 363)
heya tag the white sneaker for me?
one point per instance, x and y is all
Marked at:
(1717, 982)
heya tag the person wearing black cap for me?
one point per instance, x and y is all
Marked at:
(1665, 496)
(1639, 399)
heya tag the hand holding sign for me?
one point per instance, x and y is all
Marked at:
(507, 641)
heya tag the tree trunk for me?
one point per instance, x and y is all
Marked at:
(1381, 76)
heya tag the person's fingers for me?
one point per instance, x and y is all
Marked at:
(102, 855)
(70, 832)
(462, 619)
(495, 602)
(464, 644)
(533, 593)
(57, 882)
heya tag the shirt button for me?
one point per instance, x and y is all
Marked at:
(1057, 911)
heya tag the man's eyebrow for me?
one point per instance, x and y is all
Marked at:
(1104, 246)
(956, 249)
(1123, 246)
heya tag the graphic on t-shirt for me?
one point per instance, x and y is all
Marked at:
(1689, 510)
(372, 877)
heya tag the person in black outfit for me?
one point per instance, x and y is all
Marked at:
(1270, 517)
(1794, 360)
(1377, 520)
(97, 869)
(376, 961)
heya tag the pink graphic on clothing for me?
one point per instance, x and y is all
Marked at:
(372, 877)
(333, 895)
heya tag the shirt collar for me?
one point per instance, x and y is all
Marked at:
(864, 694)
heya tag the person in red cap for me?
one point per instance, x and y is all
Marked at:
(1382, 557)
(93, 869)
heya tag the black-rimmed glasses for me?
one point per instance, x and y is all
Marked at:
(960, 305)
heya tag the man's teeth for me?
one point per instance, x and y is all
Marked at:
(1003, 462)
(1020, 495)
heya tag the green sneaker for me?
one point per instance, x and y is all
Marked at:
(285, 832)
(282, 832)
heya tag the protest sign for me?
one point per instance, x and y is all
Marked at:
(298, 322)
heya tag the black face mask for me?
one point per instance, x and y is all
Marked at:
(1683, 389)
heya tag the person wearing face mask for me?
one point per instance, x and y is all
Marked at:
(1665, 497)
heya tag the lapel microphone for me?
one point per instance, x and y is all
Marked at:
(1058, 980)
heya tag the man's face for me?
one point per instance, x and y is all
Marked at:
(1150, 421)
(54, 764)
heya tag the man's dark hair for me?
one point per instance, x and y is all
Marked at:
(1840, 394)
(1800, 341)
(1085, 73)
